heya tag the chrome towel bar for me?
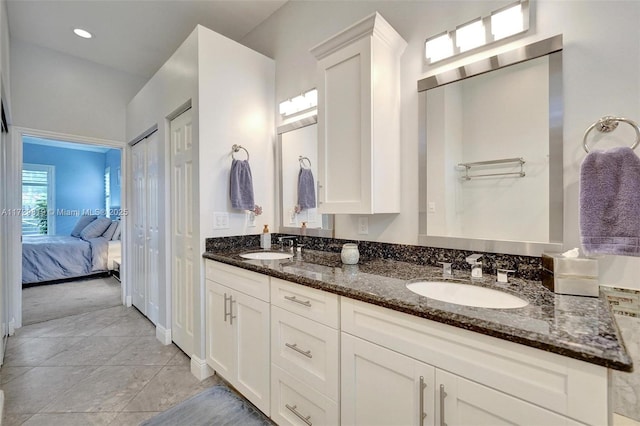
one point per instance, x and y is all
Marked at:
(468, 166)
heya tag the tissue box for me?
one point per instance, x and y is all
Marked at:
(570, 275)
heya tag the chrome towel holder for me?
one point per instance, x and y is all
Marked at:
(302, 159)
(235, 148)
(608, 124)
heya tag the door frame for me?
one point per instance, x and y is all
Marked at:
(14, 254)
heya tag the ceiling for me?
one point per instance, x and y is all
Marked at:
(134, 36)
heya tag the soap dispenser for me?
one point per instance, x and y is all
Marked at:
(265, 238)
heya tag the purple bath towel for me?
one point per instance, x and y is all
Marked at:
(610, 202)
(306, 189)
(241, 185)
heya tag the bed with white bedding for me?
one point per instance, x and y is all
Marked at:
(58, 257)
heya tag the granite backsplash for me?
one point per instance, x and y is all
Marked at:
(527, 267)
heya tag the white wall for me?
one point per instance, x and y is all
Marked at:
(60, 93)
(231, 91)
(601, 61)
(171, 87)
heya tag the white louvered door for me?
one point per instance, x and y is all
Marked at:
(183, 243)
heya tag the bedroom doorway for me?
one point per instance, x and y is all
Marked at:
(71, 227)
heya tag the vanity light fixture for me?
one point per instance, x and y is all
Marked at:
(82, 33)
(470, 35)
(501, 23)
(300, 103)
(438, 47)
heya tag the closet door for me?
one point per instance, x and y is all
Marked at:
(146, 229)
(184, 269)
(139, 265)
(152, 228)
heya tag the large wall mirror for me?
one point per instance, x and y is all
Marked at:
(491, 153)
(297, 155)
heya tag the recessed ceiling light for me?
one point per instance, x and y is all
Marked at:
(82, 33)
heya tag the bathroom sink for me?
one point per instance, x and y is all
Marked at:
(466, 294)
(267, 255)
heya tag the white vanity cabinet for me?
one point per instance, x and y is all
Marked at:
(486, 380)
(359, 119)
(305, 355)
(383, 387)
(237, 330)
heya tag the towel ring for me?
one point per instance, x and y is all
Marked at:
(608, 124)
(301, 159)
(236, 148)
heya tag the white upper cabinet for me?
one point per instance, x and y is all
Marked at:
(359, 119)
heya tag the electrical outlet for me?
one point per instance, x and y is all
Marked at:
(363, 225)
(220, 220)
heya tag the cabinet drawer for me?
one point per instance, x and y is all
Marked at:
(567, 386)
(309, 302)
(247, 282)
(306, 349)
(292, 401)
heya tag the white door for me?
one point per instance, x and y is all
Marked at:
(146, 235)
(382, 387)
(461, 402)
(152, 294)
(139, 266)
(250, 318)
(221, 341)
(183, 245)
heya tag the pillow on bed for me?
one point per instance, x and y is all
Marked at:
(81, 224)
(95, 228)
(118, 231)
(108, 234)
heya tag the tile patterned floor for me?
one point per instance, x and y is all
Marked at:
(99, 368)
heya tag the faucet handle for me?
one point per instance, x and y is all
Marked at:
(473, 259)
(503, 275)
(447, 270)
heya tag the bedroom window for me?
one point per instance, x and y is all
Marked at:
(107, 191)
(37, 199)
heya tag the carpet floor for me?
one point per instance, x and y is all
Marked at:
(47, 302)
(217, 405)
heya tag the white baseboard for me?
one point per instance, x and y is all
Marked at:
(163, 335)
(129, 301)
(1, 406)
(12, 327)
(200, 369)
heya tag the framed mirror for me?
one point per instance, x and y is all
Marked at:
(491, 153)
(297, 155)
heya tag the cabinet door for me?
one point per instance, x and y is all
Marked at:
(382, 387)
(344, 130)
(250, 317)
(463, 402)
(220, 339)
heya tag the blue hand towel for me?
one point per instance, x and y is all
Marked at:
(241, 185)
(306, 189)
(610, 202)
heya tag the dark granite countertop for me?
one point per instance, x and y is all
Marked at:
(578, 327)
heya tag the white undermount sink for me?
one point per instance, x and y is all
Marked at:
(466, 294)
(267, 255)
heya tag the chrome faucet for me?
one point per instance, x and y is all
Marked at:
(292, 243)
(447, 270)
(476, 265)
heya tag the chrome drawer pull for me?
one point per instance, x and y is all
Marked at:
(443, 395)
(300, 416)
(300, 351)
(231, 316)
(422, 413)
(301, 302)
(226, 312)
